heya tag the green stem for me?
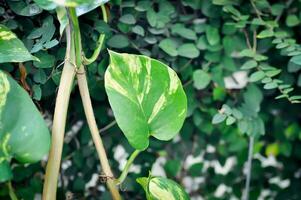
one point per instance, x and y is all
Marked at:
(11, 192)
(88, 108)
(77, 38)
(249, 169)
(128, 164)
(100, 41)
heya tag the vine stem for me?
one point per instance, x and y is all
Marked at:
(128, 164)
(249, 169)
(88, 108)
(11, 192)
(100, 41)
(84, 92)
(59, 122)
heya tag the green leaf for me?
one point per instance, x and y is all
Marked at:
(201, 79)
(195, 170)
(230, 120)
(148, 91)
(46, 60)
(184, 32)
(218, 118)
(294, 64)
(172, 167)
(24, 8)
(202, 43)
(161, 17)
(249, 64)
(212, 35)
(62, 17)
(269, 86)
(169, 46)
(162, 188)
(127, 19)
(266, 33)
(23, 134)
(5, 171)
(257, 76)
(292, 20)
(272, 73)
(118, 41)
(84, 4)
(138, 30)
(188, 50)
(11, 48)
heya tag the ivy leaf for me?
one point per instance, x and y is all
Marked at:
(127, 19)
(201, 79)
(46, 60)
(212, 35)
(184, 32)
(148, 91)
(230, 120)
(162, 188)
(292, 20)
(265, 33)
(218, 118)
(118, 41)
(249, 64)
(257, 76)
(169, 46)
(11, 48)
(24, 8)
(294, 64)
(188, 50)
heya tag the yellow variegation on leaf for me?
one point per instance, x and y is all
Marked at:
(23, 132)
(146, 96)
(159, 188)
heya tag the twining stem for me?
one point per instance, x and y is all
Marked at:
(249, 169)
(59, 122)
(76, 32)
(11, 192)
(84, 92)
(128, 164)
(88, 108)
(100, 41)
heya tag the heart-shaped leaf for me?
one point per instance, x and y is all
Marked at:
(146, 96)
(23, 132)
(82, 6)
(11, 48)
(162, 188)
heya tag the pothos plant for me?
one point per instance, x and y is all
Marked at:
(146, 96)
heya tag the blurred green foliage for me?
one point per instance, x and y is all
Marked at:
(213, 46)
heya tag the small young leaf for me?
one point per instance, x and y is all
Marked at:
(188, 50)
(265, 34)
(230, 120)
(257, 76)
(169, 46)
(162, 188)
(201, 79)
(249, 64)
(269, 86)
(218, 118)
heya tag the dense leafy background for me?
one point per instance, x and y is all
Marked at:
(204, 42)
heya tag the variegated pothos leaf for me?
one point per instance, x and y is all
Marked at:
(11, 48)
(23, 132)
(159, 188)
(146, 96)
